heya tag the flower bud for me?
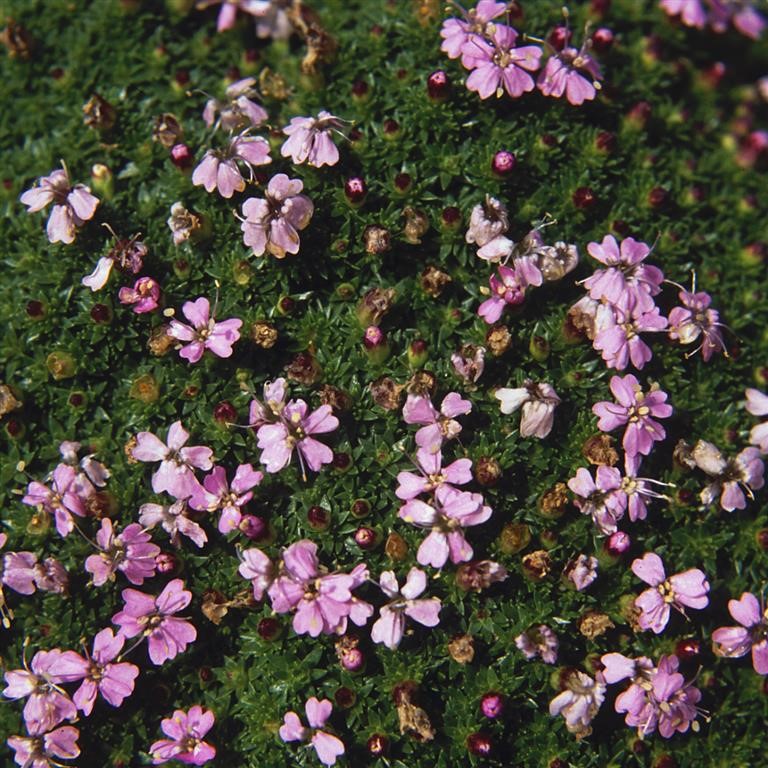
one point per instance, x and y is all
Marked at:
(391, 130)
(344, 697)
(514, 537)
(418, 353)
(617, 544)
(602, 39)
(352, 659)
(480, 744)
(145, 389)
(402, 183)
(253, 527)
(377, 745)
(375, 344)
(687, 649)
(269, 629)
(35, 309)
(638, 116)
(101, 314)
(450, 218)
(438, 85)
(181, 156)
(102, 181)
(559, 37)
(539, 348)
(503, 163)
(318, 518)
(166, 562)
(658, 197)
(181, 268)
(14, 429)
(342, 461)
(360, 508)
(605, 142)
(361, 91)
(225, 413)
(355, 190)
(492, 705)
(61, 365)
(584, 198)
(99, 114)
(396, 548)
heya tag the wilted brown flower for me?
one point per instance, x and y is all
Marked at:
(413, 719)
(376, 239)
(537, 564)
(477, 575)
(553, 502)
(337, 398)
(427, 11)
(487, 471)
(128, 450)
(422, 383)
(599, 450)
(434, 281)
(396, 548)
(498, 340)
(374, 305)
(16, 39)
(160, 343)
(514, 537)
(593, 624)
(462, 648)
(216, 606)
(386, 393)
(304, 368)
(264, 335)
(167, 130)
(98, 113)
(8, 402)
(416, 225)
(101, 504)
(273, 85)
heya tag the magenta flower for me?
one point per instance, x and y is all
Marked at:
(450, 511)
(73, 206)
(47, 705)
(327, 746)
(498, 65)
(674, 699)
(618, 338)
(433, 475)
(216, 494)
(239, 111)
(153, 617)
(688, 588)
(143, 297)
(599, 497)
(130, 552)
(271, 409)
(538, 401)
(458, 34)
(691, 12)
(508, 287)
(205, 332)
(176, 471)
(114, 681)
(219, 169)
(173, 519)
(65, 497)
(539, 641)
(581, 571)
(295, 430)
(752, 634)
(696, 320)
(22, 573)
(634, 701)
(390, 626)
(309, 140)
(570, 72)
(637, 410)
(438, 425)
(757, 405)
(579, 702)
(46, 749)
(272, 223)
(627, 283)
(186, 731)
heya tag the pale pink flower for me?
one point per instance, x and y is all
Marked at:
(469, 363)
(458, 34)
(186, 731)
(127, 255)
(635, 700)
(327, 746)
(571, 73)
(205, 332)
(688, 588)
(696, 320)
(752, 634)
(66, 497)
(757, 405)
(46, 749)
(498, 65)
(153, 617)
(539, 641)
(130, 552)
(94, 471)
(272, 223)
(174, 520)
(258, 569)
(143, 297)
(579, 702)
(634, 490)
(216, 494)
(487, 221)
(182, 223)
(582, 571)
(239, 111)
(390, 626)
(309, 140)
(618, 338)
(176, 471)
(73, 206)
(599, 497)
(637, 410)
(538, 401)
(295, 430)
(271, 409)
(450, 512)
(272, 19)
(439, 426)
(691, 12)
(228, 12)
(433, 475)
(220, 169)
(100, 673)
(22, 573)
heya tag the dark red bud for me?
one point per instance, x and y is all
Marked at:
(584, 198)
(377, 745)
(503, 163)
(181, 156)
(366, 538)
(687, 649)
(225, 413)
(355, 190)
(438, 85)
(559, 37)
(479, 744)
(166, 562)
(253, 527)
(318, 518)
(602, 39)
(268, 628)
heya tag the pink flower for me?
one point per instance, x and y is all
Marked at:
(458, 34)
(757, 405)
(47, 705)
(508, 287)
(579, 702)
(73, 206)
(539, 641)
(100, 675)
(498, 65)
(175, 473)
(390, 626)
(272, 224)
(271, 409)
(216, 493)
(295, 430)
(433, 475)
(691, 12)
(469, 363)
(599, 497)
(327, 746)
(130, 552)
(219, 169)
(582, 571)
(205, 332)
(127, 255)
(634, 490)
(173, 519)
(22, 573)
(438, 425)
(570, 72)
(674, 699)
(228, 12)
(186, 731)
(153, 618)
(637, 410)
(695, 320)
(239, 111)
(634, 701)
(93, 471)
(258, 569)
(538, 401)
(65, 497)
(618, 337)
(42, 750)
(627, 283)
(143, 297)
(450, 511)
(487, 221)
(731, 478)
(733, 642)
(309, 140)
(688, 588)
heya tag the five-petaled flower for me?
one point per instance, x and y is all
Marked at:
(327, 746)
(205, 332)
(752, 634)
(186, 731)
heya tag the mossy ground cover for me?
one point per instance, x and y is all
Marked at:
(79, 365)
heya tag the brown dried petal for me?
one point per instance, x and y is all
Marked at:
(462, 648)
(599, 450)
(386, 393)
(593, 624)
(8, 402)
(434, 281)
(264, 335)
(498, 340)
